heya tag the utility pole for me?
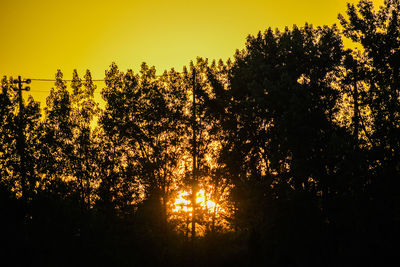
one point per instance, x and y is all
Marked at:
(21, 137)
(194, 178)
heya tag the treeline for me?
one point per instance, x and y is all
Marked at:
(296, 142)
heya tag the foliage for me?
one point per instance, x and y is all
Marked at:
(289, 154)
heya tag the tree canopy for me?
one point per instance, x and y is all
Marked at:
(287, 155)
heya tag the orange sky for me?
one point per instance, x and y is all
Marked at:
(39, 37)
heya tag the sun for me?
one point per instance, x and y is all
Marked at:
(210, 213)
(182, 202)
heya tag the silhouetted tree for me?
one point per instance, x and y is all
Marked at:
(280, 124)
(297, 145)
(84, 108)
(145, 113)
(378, 33)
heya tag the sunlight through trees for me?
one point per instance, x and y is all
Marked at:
(287, 155)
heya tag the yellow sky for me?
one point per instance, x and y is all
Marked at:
(39, 37)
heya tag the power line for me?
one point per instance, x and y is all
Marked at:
(53, 80)
(95, 80)
(46, 91)
(70, 80)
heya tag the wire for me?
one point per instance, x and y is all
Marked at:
(46, 91)
(95, 80)
(53, 80)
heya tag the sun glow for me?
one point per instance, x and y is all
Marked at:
(210, 216)
(182, 202)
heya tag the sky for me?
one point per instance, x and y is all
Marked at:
(39, 37)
